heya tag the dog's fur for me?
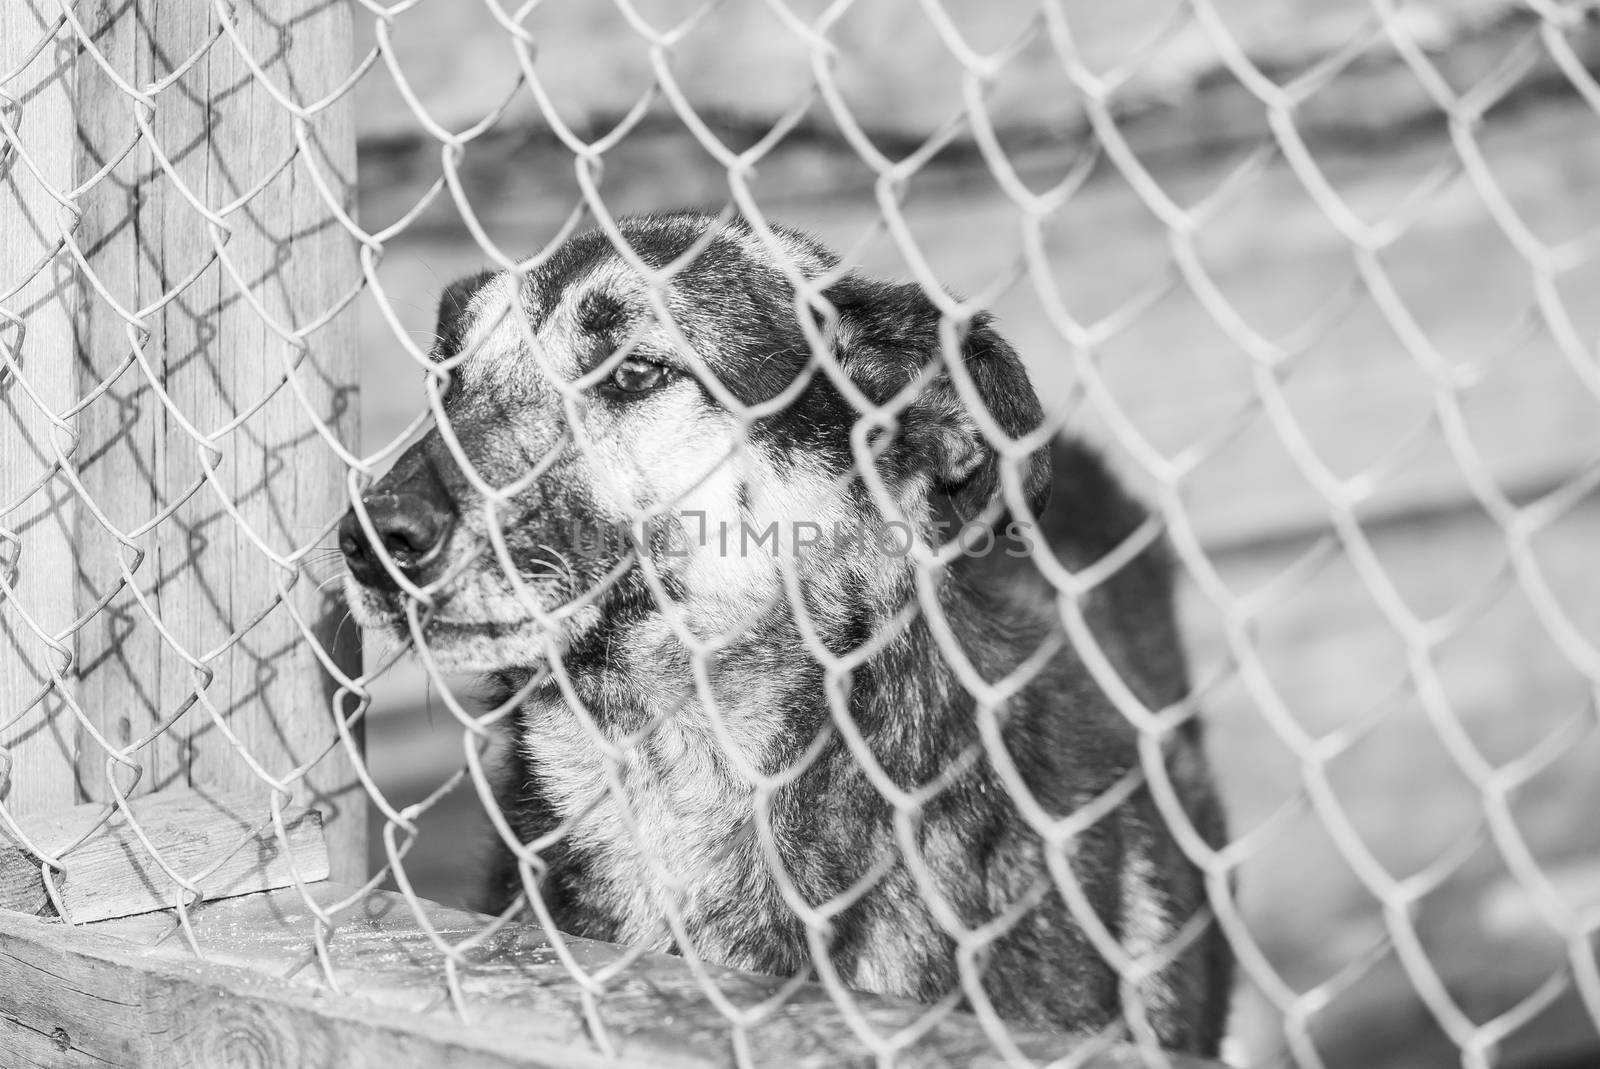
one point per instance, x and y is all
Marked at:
(645, 801)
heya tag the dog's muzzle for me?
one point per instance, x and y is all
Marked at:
(412, 515)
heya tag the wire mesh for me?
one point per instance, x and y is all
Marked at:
(1293, 759)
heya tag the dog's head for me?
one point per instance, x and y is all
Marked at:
(606, 446)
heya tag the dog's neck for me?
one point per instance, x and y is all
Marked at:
(771, 675)
(655, 779)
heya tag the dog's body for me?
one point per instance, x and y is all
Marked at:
(765, 755)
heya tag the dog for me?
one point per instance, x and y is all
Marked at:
(742, 735)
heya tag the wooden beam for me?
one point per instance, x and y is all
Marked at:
(131, 993)
(223, 842)
(169, 258)
(37, 385)
(76, 1000)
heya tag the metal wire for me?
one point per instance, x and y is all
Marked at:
(1544, 32)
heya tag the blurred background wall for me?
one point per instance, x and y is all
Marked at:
(1422, 274)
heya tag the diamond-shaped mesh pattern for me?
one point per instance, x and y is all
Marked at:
(1380, 524)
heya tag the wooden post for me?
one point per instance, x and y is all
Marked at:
(38, 301)
(192, 450)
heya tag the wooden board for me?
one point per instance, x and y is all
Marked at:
(895, 71)
(201, 462)
(37, 380)
(131, 994)
(126, 584)
(222, 841)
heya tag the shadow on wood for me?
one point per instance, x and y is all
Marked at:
(223, 842)
(131, 993)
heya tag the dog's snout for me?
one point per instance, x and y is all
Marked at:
(412, 526)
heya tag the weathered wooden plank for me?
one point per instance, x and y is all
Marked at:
(28, 1049)
(224, 841)
(98, 1001)
(204, 464)
(745, 68)
(284, 481)
(131, 993)
(90, 1014)
(36, 382)
(129, 681)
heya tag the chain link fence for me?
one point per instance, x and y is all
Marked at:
(1314, 281)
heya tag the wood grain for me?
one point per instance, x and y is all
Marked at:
(196, 670)
(36, 517)
(896, 74)
(130, 993)
(223, 841)
(76, 999)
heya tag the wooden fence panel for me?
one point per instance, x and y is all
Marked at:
(195, 265)
(38, 300)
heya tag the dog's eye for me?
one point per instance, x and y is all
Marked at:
(635, 376)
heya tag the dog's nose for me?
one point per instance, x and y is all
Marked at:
(412, 529)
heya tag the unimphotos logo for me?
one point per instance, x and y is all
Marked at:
(689, 532)
(889, 538)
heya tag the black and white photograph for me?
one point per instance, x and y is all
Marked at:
(728, 534)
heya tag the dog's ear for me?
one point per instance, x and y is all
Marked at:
(887, 336)
(450, 330)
